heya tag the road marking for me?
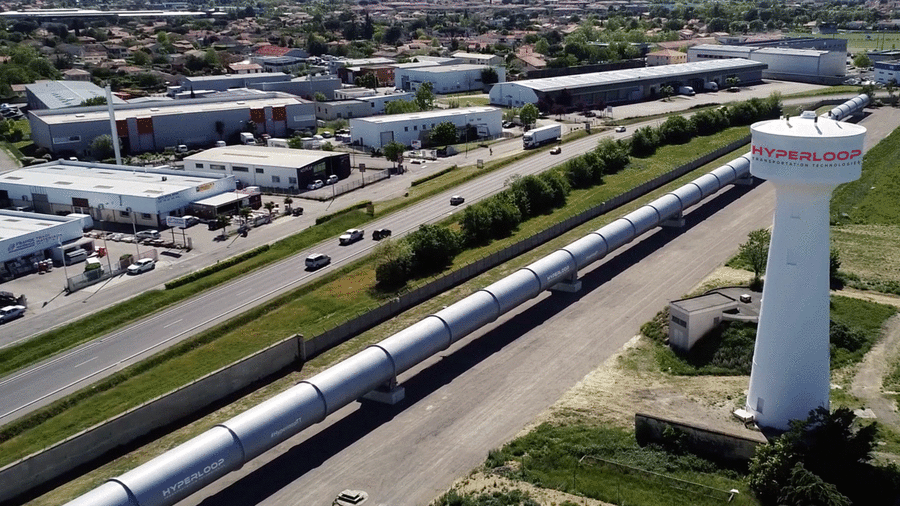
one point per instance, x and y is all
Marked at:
(173, 323)
(86, 361)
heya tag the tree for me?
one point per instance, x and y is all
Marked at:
(862, 60)
(102, 147)
(287, 204)
(400, 107)
(269, 207)
(433, 248)
(93, 101)
(393, 151)
(393, 263)
(140, 58)
(222, 221)
(756, 251)
(489, 76)
(425, 96)
(528, 114)
(245, 213)
(891, 87)
(444, 133)
(320, 97)
(367, 80)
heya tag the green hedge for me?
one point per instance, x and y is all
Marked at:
(438, 174)
(361, 205)
(202, 273)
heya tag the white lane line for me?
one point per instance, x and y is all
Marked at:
(85, 362)
(173, 323)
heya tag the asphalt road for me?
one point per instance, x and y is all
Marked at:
(481, 392)
(61, 375)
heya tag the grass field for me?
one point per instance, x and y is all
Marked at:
(860, 41)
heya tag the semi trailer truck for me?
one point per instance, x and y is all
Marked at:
(541, 136)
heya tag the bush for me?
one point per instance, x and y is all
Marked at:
(644, 141)
(433, 249)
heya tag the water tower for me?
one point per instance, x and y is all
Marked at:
(805, 158)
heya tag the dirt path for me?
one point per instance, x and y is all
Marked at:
(868, 381)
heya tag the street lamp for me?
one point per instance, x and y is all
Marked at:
(65, 269)
(134, 229)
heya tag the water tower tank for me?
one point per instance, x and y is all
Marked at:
(805, 158)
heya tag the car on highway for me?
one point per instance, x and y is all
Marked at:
(142, 265)
(351, 236)
(315, 185)
(620, 128)
(555, 151)
(331, 179)
(11, 313)
(381, 233)
(317, 260)
(456, 200)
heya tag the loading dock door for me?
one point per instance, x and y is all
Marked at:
(387, 138)
(41, 203)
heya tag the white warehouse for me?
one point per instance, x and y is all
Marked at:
(377, 131)
(804, 65)
(139, 196)
(445, 78)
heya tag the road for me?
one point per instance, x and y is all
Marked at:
(485, 389)
(45, 382)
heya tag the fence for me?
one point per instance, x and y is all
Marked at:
(92, 277)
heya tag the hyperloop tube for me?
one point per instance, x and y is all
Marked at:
(352, 378)
(643, 219)
(688, 194)
(553, 268)
(417, 342)
(587, 250)
(617, 233)
(111, 493)
(267, 424)
(666, 206)
(469, 314)
(708, 184)
(514, 289)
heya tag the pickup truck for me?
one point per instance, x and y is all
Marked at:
(351, 236)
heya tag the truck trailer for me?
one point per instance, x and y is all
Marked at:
(541, 136)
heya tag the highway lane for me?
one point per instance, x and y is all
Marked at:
(61, 375)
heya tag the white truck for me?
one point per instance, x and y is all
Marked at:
(351, 236)
(541, 136)
(710, 86)
(686, 90)
(247, 138)
(277, 143)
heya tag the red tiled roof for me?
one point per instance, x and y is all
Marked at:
(272, 51)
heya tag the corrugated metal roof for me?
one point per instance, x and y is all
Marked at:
(60, 94)
(628, 75)
(435, 114)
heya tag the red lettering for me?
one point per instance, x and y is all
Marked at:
(828, 157)
(816, 157)
(792, 155)
(756, 150)
(843, 155)
(780, 153)
(855, 153)
(770, 152)
(805, 155)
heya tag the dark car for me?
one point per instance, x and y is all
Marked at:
(296, 211)
(381, 233)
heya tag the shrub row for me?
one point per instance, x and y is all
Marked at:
(360, 205)
(202, 273)
(679, 130)
(438, 174)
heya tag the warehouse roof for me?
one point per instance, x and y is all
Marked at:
(104, 178)
(59, 94)
(279, 76)
(442, 69)
(759, 50)
(629, 75)
(262, 155)
(221, 103)
(15, 223)
(435, 114)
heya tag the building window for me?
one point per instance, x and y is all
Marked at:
(292, 180)
(199, 165)
(216, 166)
(145, 216)
(679, 321)
(416, 127)
(259, 171)
(276, 179)
(80, 202)
(235, 168)
(406, 129)
(124, 214)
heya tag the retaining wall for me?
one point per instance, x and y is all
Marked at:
(717, 445)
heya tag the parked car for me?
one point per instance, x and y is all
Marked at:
(147, 234)
(381, 233)
(317, 260)
(315, 185)
(190, 221)
(507, 124)
(331, 179)
(351, 236)
(142, 265)
(620, 128)
(11, 313)
(555, 151)
(456, 200)
(296, 211)
(589, 114)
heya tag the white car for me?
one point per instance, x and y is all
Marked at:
(620, 129)
(351, 236)
(11, 313)
(142, 265)
(315, 185)
(147, 234)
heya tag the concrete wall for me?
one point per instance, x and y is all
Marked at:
(736, 447)
(47, 465)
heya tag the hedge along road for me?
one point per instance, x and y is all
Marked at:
(489, 386)
(66, 373)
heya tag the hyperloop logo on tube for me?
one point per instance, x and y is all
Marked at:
(810, 156)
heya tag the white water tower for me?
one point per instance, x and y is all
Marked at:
(805, 158)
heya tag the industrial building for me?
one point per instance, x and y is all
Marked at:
(887, 71)
(478, 58)
(305, 87)
(599, 89)
(692, 318)
(789, 64)
(377, 131)
(155, 126)
(280, 169)
(63, 94)
(445, 78)
(359, 107)
(110, 193)
(27, 238)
